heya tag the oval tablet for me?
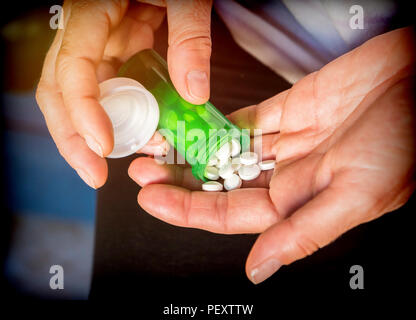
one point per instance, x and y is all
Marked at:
(222, 162)
(267, 165)
(211, 173)
(224, 152)
(236, 163)
(248, 158)
(212, 186)
(233, 182)
(235, 147)
(250, 172)
(226, 171)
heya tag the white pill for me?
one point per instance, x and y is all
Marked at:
(212, 161)
(267, 164)
(226, 171)
(224, 152)
(211, 173)
(236, 163)
(212, 186)
(235, 147)
(222, 162)
(233, 182)
(249, 172)
(248, 158)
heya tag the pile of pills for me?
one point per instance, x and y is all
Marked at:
(233, 166)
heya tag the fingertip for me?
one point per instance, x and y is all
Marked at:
(244, 117)
(141, 198)
(135, 170)
(100, 172)
(94, 145)
(148, 200)
(262, 271)
(93, 124)
(94, 174)
(190, 45)
(164, 202)
(100, 180)
(103, 134)
(131, 171)
(157, 146)
(85, 176)
(190, 73)
(102, 146)
(146, 170)
(262, 261)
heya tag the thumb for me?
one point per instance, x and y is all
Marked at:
(189, 49)
(319, 222)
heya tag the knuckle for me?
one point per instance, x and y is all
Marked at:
(62, 60)
(112, 9)
(62, 68)
(61, 152)
(81, 5)
(193, 40)
(303, 244)
(39, 94)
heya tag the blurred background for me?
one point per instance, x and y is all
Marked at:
(48, 212)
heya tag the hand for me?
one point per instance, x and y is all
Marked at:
(97, 38)
(344, 142)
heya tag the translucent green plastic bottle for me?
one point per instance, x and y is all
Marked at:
(179, 118)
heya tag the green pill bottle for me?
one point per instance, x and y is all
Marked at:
(142, 99)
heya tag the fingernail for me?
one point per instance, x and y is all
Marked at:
(264, 270)
(86, 177)
(198, 86)
(93, 145)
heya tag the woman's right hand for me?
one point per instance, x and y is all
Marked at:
(99, 36)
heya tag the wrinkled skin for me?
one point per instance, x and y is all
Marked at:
(343, 137)
(97, 38)
(344, 141)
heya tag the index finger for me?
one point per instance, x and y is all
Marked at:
(238, 211)
(82, 48)
(189, 49)
(265, 115)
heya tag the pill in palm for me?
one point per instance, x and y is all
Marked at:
(224, 152)
(211, 173)
(249, 158)
(249, 172)
(212, 186)
(267, 164)
(236, 163)
(226, 171)
(235, 147)
(222, 162)
(233, 182)
(233, 167)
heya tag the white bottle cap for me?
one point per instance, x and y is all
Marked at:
(133, 111)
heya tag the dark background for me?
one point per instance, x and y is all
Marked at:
(147, 264)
